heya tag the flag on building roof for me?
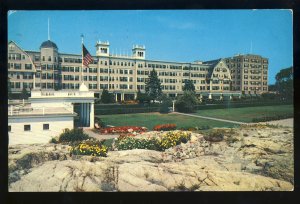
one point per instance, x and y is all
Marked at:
(86, 57)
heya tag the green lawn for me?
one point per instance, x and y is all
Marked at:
(248, 113)
(149, 120)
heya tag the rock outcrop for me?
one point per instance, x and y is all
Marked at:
(248, 159)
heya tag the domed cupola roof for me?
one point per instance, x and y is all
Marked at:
(48, 44)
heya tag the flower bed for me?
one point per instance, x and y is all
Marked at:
(89, 149)
(123, 129)
(165, 127)
(171, 139)
(160, 143)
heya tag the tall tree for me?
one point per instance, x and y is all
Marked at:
(24, 94)
(189, 86)
(284, 83)
(272, 87)
(142, 97)
(106, 97)
(153, 86)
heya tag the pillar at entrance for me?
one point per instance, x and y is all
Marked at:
(135, 95)
(116, 97)
(122, 96)
(209, 96)
(92, 115)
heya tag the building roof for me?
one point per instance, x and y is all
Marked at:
(48, 44)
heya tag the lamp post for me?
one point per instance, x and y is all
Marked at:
(174, 105)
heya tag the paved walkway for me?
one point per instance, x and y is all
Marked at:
(210, 118)
(98, 136)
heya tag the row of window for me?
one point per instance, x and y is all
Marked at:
(15, 56)
(28, 127)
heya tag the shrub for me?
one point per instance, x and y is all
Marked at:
(128, 143)
(123, 129)
(53, 140)
(214, 136)
(142, 97)
(106, 97)
(73, 135)
(89, 149)
(187, 102)
(100, 123)
(165, 127)
(276, 117)
(166, 102)
(161, 143)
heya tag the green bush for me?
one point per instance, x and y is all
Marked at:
(214, 135)
(187, 102)
(73, 135)
(53, 140)
(270, 118)
(89, 148)
(106, 97)
(100, 122)
(166, 141)
(128, 143)
(166, 103)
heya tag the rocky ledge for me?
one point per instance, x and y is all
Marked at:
(255, 158)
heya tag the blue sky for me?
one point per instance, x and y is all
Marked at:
(172, 35)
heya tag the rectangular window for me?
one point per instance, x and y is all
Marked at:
(45, 126)
(27, 128)
(9, 128)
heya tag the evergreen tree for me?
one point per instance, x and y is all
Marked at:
(106, 97)
(142, 97)
(24, 94)
(153, 86)
(188, 86)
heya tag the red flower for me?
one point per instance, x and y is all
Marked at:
(123, 129)
(164, 127)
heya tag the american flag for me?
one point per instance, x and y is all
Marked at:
(87, 58)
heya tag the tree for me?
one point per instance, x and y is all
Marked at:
(188, 86)
(284, 83)
(153, 86)
(24, 94)
(106, 97)
(142, 97)
(272, 87)
(166, 102)
(187, 102)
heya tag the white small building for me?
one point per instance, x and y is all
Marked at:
(29, 125)
(47, 114)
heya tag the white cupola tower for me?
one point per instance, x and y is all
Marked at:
(102, 48)
(138, 52)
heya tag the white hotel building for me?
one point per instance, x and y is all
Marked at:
(48, 69)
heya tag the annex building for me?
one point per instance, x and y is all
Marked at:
(47, 69)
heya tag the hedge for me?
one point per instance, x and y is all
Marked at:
(125, 110)
(239, 105)
(270, 118)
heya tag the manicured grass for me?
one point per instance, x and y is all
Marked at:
(248, 113)
(149, 120)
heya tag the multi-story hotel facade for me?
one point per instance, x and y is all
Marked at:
(47, 69)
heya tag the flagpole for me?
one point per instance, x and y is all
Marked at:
(82, 59)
